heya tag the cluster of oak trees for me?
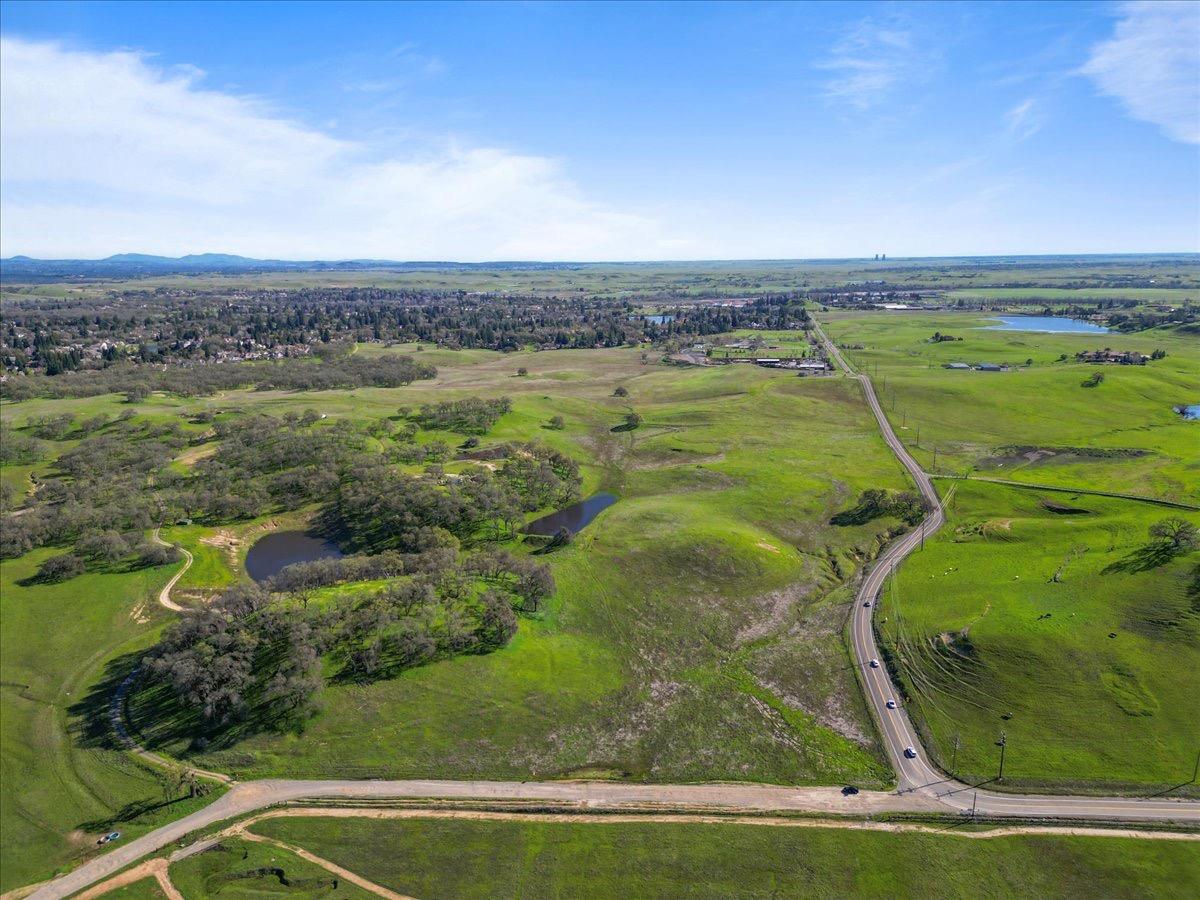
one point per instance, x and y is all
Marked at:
(255, 657)
(335, 370)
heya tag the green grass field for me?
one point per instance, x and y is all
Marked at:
(956, 421)
(1092, 677)
(239, 868)
(62, 784)
(696, 633)
(464, 858)
(693, 635)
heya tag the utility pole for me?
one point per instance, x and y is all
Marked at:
(1003, 747)
(974, 801)
(1196, 767)
(954, 757)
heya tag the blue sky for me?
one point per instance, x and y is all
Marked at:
(599, 131)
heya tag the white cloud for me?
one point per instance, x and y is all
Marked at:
(1023, 120)
(1152, 65)
(867, 62)
(108, 152)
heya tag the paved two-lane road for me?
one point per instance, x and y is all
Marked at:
(917, 776)
(921, 787)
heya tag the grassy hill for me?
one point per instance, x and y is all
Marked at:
(694, 635)
(1057, 620)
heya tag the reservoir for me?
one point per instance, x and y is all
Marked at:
(1047, 324)
(573, 517)
(273, 552)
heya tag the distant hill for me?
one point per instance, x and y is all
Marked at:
(126, 265)
(134, 265)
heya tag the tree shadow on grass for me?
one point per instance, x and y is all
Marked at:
(89, 725)
(158, 720)
(1146, 557)
(127, 813)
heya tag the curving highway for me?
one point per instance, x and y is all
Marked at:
(916, 775)
(921, 787)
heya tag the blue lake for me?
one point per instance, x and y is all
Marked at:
(1048, 324)
(279, 549)
(573, 517)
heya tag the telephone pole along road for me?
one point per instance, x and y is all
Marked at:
(916, 775)
(922, 789)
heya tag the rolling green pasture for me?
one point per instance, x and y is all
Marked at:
(968, 418)
(62, 784)
(1093, 678)
(460, 858)
(693, 635)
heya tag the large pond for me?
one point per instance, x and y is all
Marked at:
(573, 517)
(1049, 324)
(279, 549)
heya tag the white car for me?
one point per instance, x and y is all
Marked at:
(891, 704)
(874, 664)
(910, 752)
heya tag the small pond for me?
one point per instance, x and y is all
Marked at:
(279, 549)
(1048, 324)
(659, 320)
(1189, 411)
(574, 517)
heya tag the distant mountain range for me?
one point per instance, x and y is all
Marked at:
(132, 265)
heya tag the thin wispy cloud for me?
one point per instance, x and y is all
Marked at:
(868, 62)
(106, 152)
(1024, 120)
(1151, 65)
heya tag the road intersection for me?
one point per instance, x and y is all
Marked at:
(921, 788)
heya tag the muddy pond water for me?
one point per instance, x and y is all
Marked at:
(272, 553)
(573, 517)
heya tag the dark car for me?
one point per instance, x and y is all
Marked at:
(849, 790)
